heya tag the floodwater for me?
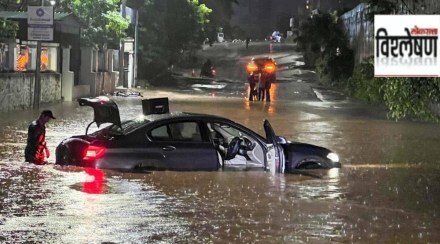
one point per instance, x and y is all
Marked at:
(387, 191)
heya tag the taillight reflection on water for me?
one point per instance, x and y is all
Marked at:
(95, 185)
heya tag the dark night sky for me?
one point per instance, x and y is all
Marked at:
(260, 17)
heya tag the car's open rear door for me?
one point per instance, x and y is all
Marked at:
(279, 163)
(105, 110)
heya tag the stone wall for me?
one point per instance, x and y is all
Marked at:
(17, 90)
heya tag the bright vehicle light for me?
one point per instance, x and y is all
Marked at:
(269, 68)
(333, 157)
(251, 67)
(94, 152)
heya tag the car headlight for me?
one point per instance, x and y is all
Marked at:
(333, 157)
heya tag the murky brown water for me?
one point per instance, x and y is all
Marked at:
(387, 191)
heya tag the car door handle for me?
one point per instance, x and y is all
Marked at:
(169, 148)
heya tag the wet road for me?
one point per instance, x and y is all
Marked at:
(387, 191)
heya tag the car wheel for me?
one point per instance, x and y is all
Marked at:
(65, 157)
(310, 165)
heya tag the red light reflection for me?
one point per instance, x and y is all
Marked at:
(97, 185)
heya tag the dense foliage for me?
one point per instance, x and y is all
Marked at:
(404, 97)
(9, 28)
(169, 30)
(218, 20)
(103, 25)
(325, 46)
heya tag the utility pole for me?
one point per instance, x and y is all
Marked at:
(40, 28)
(37, 87)
(136, 36)
(122, 50)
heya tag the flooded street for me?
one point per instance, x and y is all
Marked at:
(387, 190)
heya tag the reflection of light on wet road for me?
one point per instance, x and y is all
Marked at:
(210, 86)
(316, 190)
(95, 183)
(382, 166)
(373, 199)
(273, 92)
(333, 173)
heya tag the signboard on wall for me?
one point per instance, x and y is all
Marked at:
(40, 23)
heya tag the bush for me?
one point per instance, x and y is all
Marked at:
(404, 97)
(412, 97)
(364, 86)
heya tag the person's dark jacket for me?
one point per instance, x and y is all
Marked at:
(36, 143)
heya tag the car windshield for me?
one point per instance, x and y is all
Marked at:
(262, 61)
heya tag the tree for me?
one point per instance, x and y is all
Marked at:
(325, 46)
(14, 5)
(9, 28)
(412, 97)
(102, 23)
(167, 30)
(219, 18)
(404, 97)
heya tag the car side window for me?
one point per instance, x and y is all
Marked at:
(224, 131)
(179, 131)
(160, 134)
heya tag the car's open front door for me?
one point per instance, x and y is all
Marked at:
(279, 162)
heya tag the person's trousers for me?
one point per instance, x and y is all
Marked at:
(261, 92)
(268, 94)
(251, 92)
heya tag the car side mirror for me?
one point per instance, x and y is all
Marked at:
(281, 140)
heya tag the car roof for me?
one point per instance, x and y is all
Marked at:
(181, 115)
(147, 120)
(262, 58)
(177, 116)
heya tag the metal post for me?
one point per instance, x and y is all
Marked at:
(136, 35)
(122, 51)
(37, 86)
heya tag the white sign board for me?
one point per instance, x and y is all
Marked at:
(40, 23)
(406, 45)
(39, 15)
(40, 34)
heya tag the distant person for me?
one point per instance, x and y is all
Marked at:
(247, 42)
(261, 86)
(270, 78)
(206, 69)
(36, 147)
(252, 80)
